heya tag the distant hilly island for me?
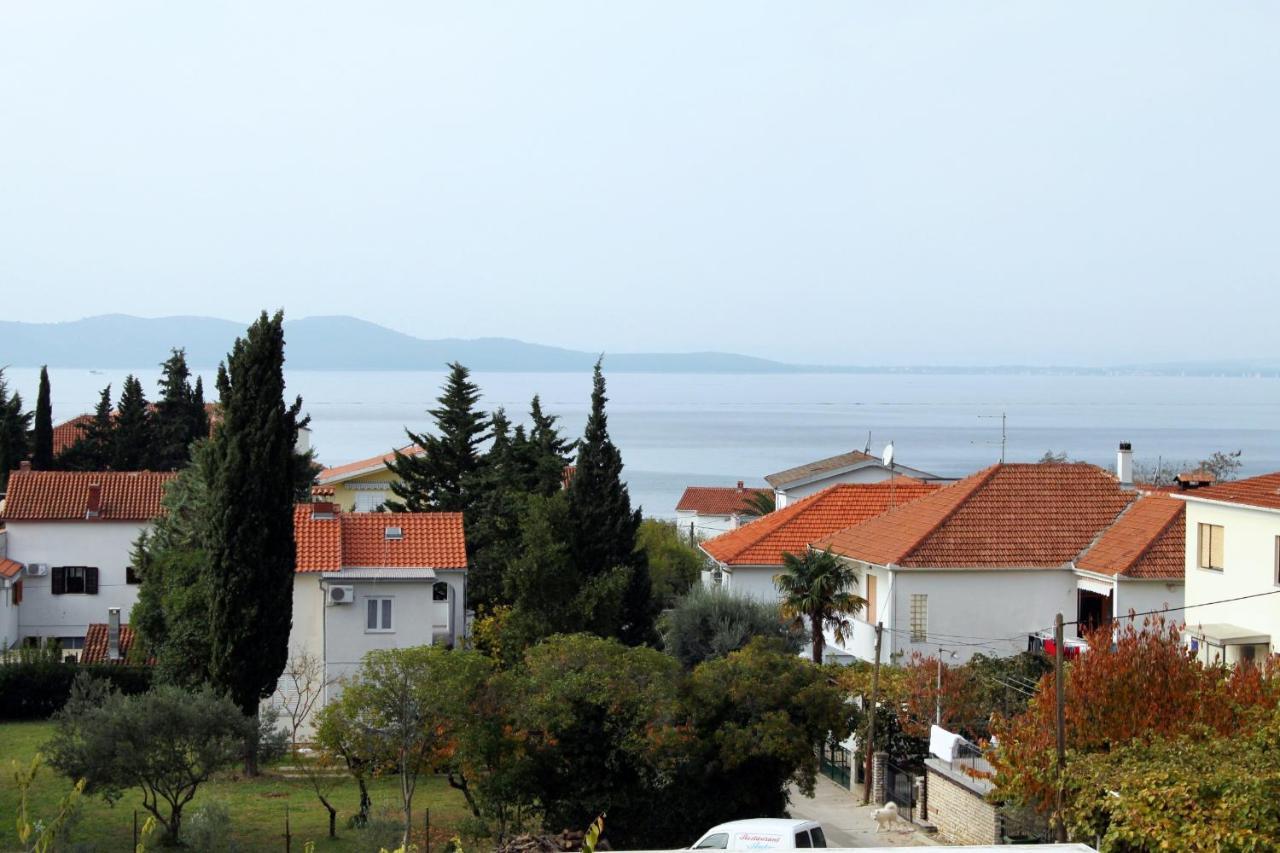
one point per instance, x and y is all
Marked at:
(348, 343)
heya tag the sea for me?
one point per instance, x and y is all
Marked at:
(676, 430)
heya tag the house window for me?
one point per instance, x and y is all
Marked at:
(871, 599)
(440, 591)
(74, 580)
(377, 615)
(919, 618)
(1210, 547)
(131, 576)
(369, 501)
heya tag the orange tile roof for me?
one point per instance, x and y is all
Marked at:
(95, 644)
(331, 541)
(792, 528)
(364, 466)
(1029, 515)
(9, 568)
(831, 463)
(1262, 491)
(1148, 540)
(64, 495)
(717, 500)
(69, 432)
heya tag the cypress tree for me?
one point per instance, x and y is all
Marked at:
(251, 555)
(441, 477)
(14, 423)
(42, 436)
(603, 527)
(131, 439)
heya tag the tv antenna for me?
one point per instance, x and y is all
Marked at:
(887, 459)
(1004, 433)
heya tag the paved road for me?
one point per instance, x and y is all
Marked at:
(848, 823)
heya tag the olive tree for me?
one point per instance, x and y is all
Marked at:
(166, 743)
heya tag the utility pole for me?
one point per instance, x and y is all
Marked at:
(871, 724)
(1061, 697)
(937, 721)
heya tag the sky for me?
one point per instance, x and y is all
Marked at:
(820, 182)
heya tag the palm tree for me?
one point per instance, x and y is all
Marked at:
(759, 503)
(818, 586)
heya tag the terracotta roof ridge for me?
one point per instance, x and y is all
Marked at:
(979, 479)
(764, 525)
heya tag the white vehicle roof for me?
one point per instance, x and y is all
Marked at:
(762, 824)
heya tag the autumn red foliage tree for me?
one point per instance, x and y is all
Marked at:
(1139, 685)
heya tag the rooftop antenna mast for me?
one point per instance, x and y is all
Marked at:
(887, 458)
(867, 449)
(1004, 433)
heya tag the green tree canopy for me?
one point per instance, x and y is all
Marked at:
(438, 478)
(14, 423)
(674, 565)
(707, 624)
(133, 435)
(180, 417)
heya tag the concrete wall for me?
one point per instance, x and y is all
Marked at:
(1142, 596)
(1249, 567)
(753, 582)
(791, 494)
(961, 815)
(977, 603)
(704, 526)
(105, 544)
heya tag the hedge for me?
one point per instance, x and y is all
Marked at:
(34, 684)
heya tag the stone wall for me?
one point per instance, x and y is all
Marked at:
(960, 813)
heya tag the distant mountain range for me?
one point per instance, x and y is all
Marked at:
(347, 343)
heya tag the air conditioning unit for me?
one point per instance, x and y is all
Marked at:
(340, 595)
(36, 570)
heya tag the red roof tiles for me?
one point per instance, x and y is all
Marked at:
(331, 541)
(64, 495)
(792, 528)
(95, 644)
(1262, 491)
(69, 432)
(364, 466)
(717, 500)
(9, 568)
(1148, 540)
(1006, 516)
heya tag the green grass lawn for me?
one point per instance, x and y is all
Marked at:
(256, 806)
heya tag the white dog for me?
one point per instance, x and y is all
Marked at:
(885, 816)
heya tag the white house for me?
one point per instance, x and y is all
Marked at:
(369, 580)
(982, 564)
(68, 542)
(852, 467)
(745, 561)
(706, 511)
(1233, 552)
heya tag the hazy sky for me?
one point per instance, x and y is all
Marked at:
(850, 182)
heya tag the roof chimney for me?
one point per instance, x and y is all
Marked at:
(739, 485)
(93, 506)
(1124, 464)
(324, 510)
(113, 634)
(24, 465)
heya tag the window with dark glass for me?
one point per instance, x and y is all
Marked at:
(440, 591)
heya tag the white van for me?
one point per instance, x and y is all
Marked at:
(763, 834)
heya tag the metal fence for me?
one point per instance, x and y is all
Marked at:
(900, 788)
(835, 763)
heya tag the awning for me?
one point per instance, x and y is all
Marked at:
(1222, 634)
(380, 574)
(1091, 585)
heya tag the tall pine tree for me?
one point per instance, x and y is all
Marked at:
(551, 450)
(42, 435)
(180, 418)
(250, 538)
(14, 423)
(602, 525)
(132, 436)
(440, 478)
(92, 450)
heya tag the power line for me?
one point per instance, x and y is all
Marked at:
(1188, 606)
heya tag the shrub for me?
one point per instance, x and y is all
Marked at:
(709, 624)
(205, 829)
(35, 683)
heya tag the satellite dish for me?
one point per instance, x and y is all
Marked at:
(888, 455)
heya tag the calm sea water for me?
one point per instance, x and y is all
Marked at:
(676, 430)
